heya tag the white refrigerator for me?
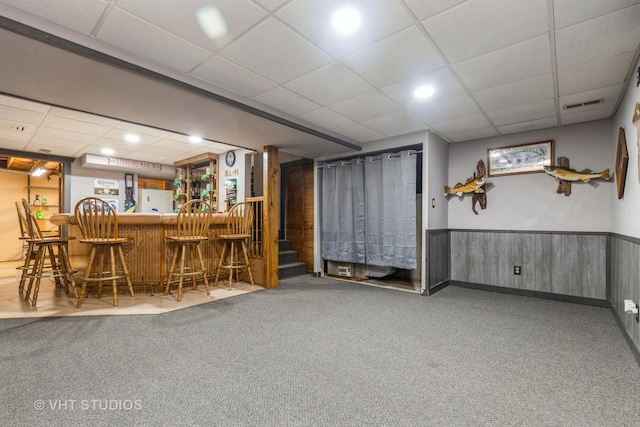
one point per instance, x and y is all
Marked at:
(154, 201)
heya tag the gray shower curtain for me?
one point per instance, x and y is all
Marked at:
(343, 212)
(369, 212)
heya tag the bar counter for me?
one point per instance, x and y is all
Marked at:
(147, 254)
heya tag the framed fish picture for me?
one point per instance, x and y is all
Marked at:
(622, 161)
(517, 159)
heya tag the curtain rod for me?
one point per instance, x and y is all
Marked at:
(360, 160)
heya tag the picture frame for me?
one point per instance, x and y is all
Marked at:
(519, 159)
(622, 161)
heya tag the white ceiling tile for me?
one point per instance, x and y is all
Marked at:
(160, 151)
(143, 131)
(59, 122)
(275, 52)
(117, 143)
(81, 16)
(154, 158)
(396, 58)
(120, 133)
(485, 26)
(599, 38)
(84, 117)
(271, 4)
(59, 140)
(426, 9)
(19, 115)
(603, 73)
(228, 75)
(172, 144)
(446, 109)
(569, 12)
(8, 136)
(312, 19)
(586, 116)
(396, 124)
(329, 84)
(459, 125)
(326, 118)
(65, 135)
(358, 132)
(529, 125)
(179, 17)
(473, 134)
(443, 81)
(518, 62)
(368, 106)
(286, 101)
(149, 41)
(56, 149)
(520, 113)
(22, 104)
(516, 93)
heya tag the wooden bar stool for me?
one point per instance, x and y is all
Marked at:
(98, 223)
(239, 225)
(39, 246)
(194, 220)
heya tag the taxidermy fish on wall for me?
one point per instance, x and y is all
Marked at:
(567, 174)
(473, 185)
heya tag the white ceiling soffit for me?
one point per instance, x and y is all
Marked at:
(497, 67)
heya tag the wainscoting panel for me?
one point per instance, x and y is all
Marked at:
(561, 263)
(439, 247)
(625, 277)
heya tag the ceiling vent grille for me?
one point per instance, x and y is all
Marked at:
(583, 104)
(13, 127)
(44, 150)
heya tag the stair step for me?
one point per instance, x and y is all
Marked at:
(287, 257)
(292, 270)
(283, 245)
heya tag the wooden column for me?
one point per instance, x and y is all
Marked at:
(271, 186)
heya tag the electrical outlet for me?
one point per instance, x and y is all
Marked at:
(517, 270)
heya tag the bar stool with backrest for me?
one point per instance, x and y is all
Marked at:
(239, 226)
(98, 223)
(193, 222)
(35, 266)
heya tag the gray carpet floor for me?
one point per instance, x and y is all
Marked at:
(318, 352)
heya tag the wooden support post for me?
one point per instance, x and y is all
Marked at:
(271, 186)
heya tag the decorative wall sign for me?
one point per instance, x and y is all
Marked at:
(516, 159)
(622, 159)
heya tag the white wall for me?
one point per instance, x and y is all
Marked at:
(436, 169)
(82, 184)
(625, 211)
(530, 201)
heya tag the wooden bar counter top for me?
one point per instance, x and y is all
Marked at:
(147, 253)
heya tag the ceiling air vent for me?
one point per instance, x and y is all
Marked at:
(13, 127)
(583, 104)
(44, 150)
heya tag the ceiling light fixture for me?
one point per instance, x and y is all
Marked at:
(38, 172)
(132, 138)
(195, 139)
(346, 20)
(424, 92)
(107, 151)
(211, 22)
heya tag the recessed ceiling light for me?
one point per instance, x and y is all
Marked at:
(132, 138)
(424, 92)
(195, 139)
(346, 20)
(211, 22)
(107, 151)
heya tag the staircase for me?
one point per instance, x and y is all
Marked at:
(288, 264)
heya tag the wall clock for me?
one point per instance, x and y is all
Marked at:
(230, 158)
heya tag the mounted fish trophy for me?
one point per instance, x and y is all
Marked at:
(565, 175)
(473, 185)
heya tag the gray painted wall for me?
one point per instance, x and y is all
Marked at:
(530, 201)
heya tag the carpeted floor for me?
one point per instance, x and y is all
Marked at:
(318, 352)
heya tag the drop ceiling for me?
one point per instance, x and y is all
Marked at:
(282, 76)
